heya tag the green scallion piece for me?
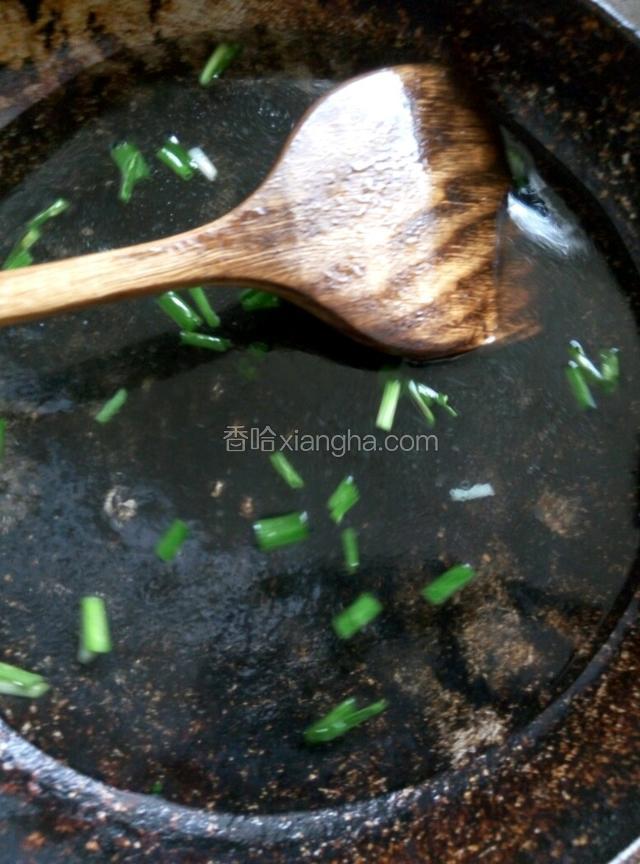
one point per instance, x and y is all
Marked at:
(579, 386)
(221, 57)
(169, 544)
(589, 370)
(343, 499)
(59, 206)
(448, 583)
(95, 637)
(258, 348)
(156, 787)
(442, 400)
(426, 397)
(286, 470)
(350, 549)
(281, 530)
(30, 237)
(133, 168)
(423, 401)
(252, 301)
(388, 404)
(582, 372)
(112, 406)
(20, 256)
(17, 258)
(175, 307)
(610, 369)
(202, 340)
(18, 682)
(361, 612)
(174, 156)
(204, 307)
(3, 430)
(341, 719)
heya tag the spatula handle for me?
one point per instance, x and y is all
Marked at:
(183, 260)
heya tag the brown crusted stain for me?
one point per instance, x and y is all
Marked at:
(495, 657)
(579, 757)
(247, 509)
(486, 729)
(461, 729)
(35, 840)
(67, 37)
(562, 514)
(127, 24)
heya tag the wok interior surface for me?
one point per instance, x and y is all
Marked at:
(222, 658)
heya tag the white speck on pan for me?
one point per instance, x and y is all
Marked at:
(471, 493)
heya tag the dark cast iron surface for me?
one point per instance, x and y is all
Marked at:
(567, 790)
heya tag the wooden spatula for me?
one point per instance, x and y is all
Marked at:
(379, 217)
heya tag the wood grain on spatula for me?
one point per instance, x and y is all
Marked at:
(379, 217)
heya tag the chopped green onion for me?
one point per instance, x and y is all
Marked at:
(20, 256)
(201, 340)
(252, 301)
(281, 530)
(350, 549)
(589, 370)
(579, 386)
(169, 544)
(221, 57)
(423, 401)
(343, 499)
(95, 637)
(17, 258)
(448, 583)
(610, 369)
(112, 406)
(341, 719)
(286, 470)
(582, 371)
(174, 156)
(425, 397)
(175, 307)
(388, 404)
(59, 206)
(3, 430)
(204, 307)
(361, 612)
(133, 168)
(30, 237)
(18, 682)
(442, 400)
(156, 787)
